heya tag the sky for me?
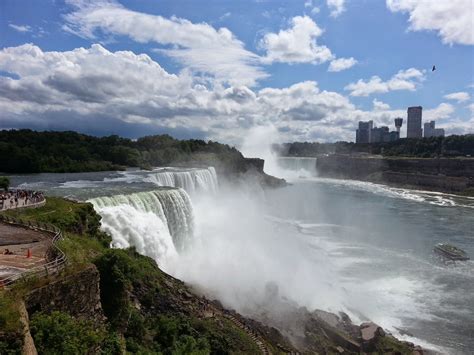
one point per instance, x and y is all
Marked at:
(218, 69)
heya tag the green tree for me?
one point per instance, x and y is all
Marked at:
(4, 183)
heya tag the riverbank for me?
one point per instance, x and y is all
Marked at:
(448, 175)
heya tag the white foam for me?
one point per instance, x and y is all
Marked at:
(431, 197)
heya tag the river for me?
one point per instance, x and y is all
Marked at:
(337, 245)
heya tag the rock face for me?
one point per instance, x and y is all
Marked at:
(77, 295)
(452, 175)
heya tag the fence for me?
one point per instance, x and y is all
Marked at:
(55, 256)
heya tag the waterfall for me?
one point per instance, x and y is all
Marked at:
(191, 180)
(305, 167)
(161, 220)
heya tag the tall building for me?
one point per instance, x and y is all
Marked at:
(431, 131)
(368, 133)
(398, 124)
(414, 122)
(378, 134)
(382, 134)
(364, 132)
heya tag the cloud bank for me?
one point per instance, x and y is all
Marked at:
(131, 94)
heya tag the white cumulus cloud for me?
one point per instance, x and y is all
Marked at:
(341, 64)
(198, 46)
(380, 106)
(131, 94)
(458, 96)
(404, 80)
(443, 110)
(452, 19)
(336, 7)
(297, 44)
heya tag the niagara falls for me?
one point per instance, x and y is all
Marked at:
(226, 177)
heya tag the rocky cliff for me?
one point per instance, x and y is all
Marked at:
(77, 294)
(451, 175)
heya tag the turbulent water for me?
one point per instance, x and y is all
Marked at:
(165, 212)
(83, 186)
(297, 167)
(191, 181)
(331, 244)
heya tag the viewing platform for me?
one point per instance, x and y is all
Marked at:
(27, 248)
(21, 199)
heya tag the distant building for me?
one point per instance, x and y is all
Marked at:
(391, 136)
(382, 134)
(398, 124)
(378, 133)
(414, 122)
(431, 131)
(368, 133)
(364, 132)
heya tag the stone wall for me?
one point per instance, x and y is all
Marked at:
(77, 295)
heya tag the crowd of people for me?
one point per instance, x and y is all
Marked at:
(19, 198)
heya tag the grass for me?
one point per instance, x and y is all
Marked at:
(9, 312)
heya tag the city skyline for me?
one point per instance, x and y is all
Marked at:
(367, 132)
(309, 69)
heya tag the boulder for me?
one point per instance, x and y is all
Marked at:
(370, 333)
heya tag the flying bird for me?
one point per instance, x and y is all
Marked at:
(434, 68)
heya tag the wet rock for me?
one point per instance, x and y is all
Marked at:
(370, 333)
(417, 350)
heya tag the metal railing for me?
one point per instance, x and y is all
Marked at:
(57, 257)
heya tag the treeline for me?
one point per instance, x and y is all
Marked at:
(451, 146)
(27, 151)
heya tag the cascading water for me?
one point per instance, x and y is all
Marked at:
(302, 166)
(165, 215)
(191, 180)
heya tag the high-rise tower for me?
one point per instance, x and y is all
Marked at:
(398, 124)
(414, 122)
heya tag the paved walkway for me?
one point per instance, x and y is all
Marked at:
(18, 240)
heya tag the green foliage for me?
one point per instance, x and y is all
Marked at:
(165, 330)
(26, 151)
(4, 183)
(59, 333)
(69, 216)
(11, 343)
(9, 313)
(119, 271)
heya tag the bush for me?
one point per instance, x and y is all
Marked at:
(59, 333)
(4, 183)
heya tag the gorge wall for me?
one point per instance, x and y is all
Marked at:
(451, 175)
(77, 294)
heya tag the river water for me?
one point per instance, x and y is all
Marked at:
(358, 247)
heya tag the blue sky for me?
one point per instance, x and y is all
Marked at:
(218, 69)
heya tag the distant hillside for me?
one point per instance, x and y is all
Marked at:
(451, 146)
(27, 151)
